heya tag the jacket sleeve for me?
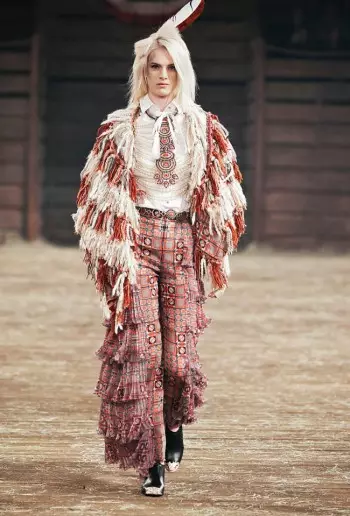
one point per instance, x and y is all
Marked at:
(219, 204)
(103, 221)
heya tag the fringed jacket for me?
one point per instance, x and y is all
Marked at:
(108, 222)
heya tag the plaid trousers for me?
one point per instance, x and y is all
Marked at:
(150, 373)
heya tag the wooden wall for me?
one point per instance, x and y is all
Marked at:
(15, 29)
(304, 147)
(89, 55)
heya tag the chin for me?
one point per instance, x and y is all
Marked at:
(164, 92)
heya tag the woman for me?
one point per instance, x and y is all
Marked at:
(160, 207)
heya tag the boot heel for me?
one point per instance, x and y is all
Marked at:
(174, 449)
(154, 484)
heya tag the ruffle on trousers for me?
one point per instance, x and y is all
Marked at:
(181, 402)
(182, 398)
(124, 419)
(129, 440)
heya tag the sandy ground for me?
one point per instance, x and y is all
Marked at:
(273, 437)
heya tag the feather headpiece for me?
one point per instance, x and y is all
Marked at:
(171, 28)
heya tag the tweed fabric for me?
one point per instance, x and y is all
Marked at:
(150, 373)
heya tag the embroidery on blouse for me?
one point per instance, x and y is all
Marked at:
(166, 163)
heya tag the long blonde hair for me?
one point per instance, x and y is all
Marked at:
(186, 88)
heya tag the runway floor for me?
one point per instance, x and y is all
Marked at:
(272, 439)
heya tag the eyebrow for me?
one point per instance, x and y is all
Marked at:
(154, 62)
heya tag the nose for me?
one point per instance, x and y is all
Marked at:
(164, 73)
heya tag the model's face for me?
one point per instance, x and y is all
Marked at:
(161, 74)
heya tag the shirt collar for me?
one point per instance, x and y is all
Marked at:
(146, 103)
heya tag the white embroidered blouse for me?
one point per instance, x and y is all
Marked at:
(147, 151)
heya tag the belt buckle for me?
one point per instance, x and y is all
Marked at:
(171, 214)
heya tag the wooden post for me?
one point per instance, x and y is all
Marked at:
(258, 119)
(33, 183)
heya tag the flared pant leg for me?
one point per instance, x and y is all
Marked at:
(150, 374)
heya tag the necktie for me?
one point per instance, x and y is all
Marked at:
(166, 163)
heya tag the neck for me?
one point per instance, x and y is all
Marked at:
(160, 102)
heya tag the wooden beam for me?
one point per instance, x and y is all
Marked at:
(258, 121)
(33, 184)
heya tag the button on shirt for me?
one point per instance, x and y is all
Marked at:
(147, 151)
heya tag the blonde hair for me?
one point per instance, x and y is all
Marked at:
(185, 91)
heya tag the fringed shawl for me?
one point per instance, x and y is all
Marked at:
(107, 219)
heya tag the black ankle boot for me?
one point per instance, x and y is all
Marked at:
(174, 449)
(154, 484)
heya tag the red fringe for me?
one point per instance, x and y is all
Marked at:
(218, 156)
(198, 198)
(220, 140)
(126, 302)
(101, 275)
(115, 171)
(233, 231)
(89, 212)
(240, 224)
(100, 222)
(83, 192)
(218, 275)
(127, 294)
(197, 261)
(103, 128)
(212, 175)
(238, 173)
(132, 186)
(119, 230)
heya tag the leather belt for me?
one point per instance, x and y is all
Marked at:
(150, 213)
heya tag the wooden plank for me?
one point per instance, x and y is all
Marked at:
(89, 69)
(72, 153)
(259, 63)
(11, 174)
(289, 243)
(14, 83)
(14, 61)
(104, 90)
(301, 224)
(288, 224)
(111, 30)
(66, 175)
(13, 127)
(241, 10)
(286, 201)
(13, 106)
(293, 156)
(22, 44)
(308, 134)
(102, 69)
(60, 196)
(72, 48)
(10, 219)
(307, 113)
(60, 236)
(12, 152)
(60, 218)
(307, 180)
(33, 179)
(308, 91)
(222, 93)
(305, 68)
(11, 196)
(88, 111)
(66, 7)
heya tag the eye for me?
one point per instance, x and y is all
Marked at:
(172, 67)
(154, 66)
